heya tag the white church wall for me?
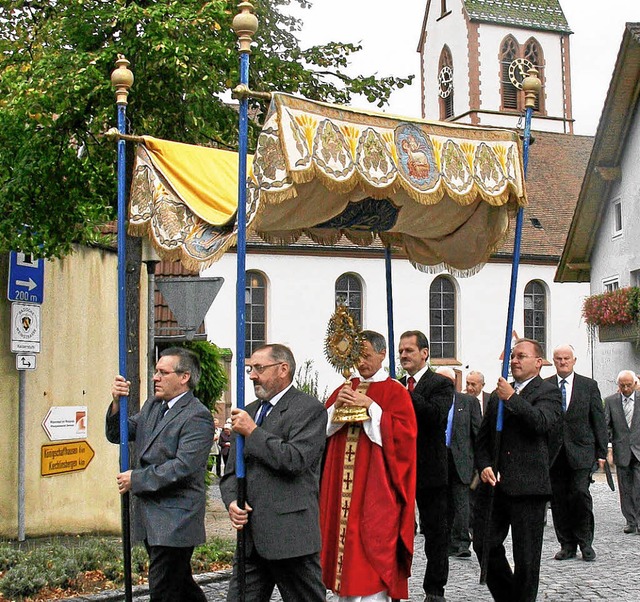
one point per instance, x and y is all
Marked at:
(301, 297)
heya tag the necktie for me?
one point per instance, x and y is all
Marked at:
(262, 412)
(563, 390)
(449, 430)
(627, 405)
(161, 412)
(411, 384)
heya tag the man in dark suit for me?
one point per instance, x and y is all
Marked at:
(475, 386)
(519, 480)
(284, 432)
(465, 419)
(579, 440)
(622, 415)
(431, 395)
(173, 433)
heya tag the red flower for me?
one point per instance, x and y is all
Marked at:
(613, 307)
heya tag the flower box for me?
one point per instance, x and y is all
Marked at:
(619, 333)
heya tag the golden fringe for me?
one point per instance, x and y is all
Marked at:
(444, 267)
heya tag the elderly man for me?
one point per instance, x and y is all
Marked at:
(579, 440)
(173, 433)
(463, 424)
(284, 431)
(475, 386)
(622, 415)
(367, 494)
(515, 482)
(431, 395)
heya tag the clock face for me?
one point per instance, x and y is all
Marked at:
(518, 70)
(445, 82)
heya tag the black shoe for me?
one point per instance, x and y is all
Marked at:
(462, 554)
(566, 553)
(588, 554)
(630, 528)
(434, 598)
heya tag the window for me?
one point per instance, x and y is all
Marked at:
(443, 8)
(611, 284)
(442, 318)
(617, 218)
(349, 294)
(535, 313)
(445, 84)
(255, 312)
(514, 63)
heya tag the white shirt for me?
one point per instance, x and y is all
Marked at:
(568, 386)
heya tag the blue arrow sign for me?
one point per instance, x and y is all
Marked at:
(26, 278)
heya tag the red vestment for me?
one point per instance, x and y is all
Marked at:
(378, 518)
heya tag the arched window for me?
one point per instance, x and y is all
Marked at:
(442, 318)
(349, 294)
(445, 84)
(515, 61)
(535, 313)
(255, 307)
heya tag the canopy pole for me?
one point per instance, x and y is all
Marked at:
(531, 86)
(122, 80)
(245, 25)
(391, 343)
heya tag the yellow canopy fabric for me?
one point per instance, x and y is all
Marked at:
(440, 192)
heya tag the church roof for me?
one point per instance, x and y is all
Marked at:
(545, 15)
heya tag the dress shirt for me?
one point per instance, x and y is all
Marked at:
(274, 400)
(627, 406)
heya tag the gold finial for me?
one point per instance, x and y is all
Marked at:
(531, 86)
(122, 79)
(245, 24)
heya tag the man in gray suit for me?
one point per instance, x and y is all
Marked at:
(284, 432)
(173, 433)
(622, 413)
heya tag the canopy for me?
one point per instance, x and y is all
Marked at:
(440, 192)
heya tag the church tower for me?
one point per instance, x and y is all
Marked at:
(475, 54)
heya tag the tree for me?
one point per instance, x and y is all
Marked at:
(57, 176)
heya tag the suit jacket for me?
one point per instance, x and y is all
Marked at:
(466, 424)
(431, 399)
(625, 440)
(582, 431)
(523, 459)
(283, 459)
(167, 481)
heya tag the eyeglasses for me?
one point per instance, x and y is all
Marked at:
(259, 368)
(522, 356)
(163, 373)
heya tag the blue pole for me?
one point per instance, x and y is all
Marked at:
(515, 264)
(122, 79)
(391, 344)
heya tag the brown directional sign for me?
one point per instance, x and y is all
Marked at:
(61, 458)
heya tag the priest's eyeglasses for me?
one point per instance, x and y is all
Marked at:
(259, 368)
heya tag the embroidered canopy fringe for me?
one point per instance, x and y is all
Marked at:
(441, 193)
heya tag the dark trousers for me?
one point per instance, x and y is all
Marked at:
(170, 578)
(297, 579)
(458, 511)
(629, 486)
(432, 506)
(571, 505)
(525, 516)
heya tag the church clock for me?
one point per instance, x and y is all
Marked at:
(518, 70)
(445, 82)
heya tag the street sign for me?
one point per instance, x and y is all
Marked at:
(26, 278)
(25, 361)
(25, 328)
(60, 458)
(66, 422)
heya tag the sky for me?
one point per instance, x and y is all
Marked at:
(390, 40)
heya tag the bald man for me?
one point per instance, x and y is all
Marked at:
(579, 441)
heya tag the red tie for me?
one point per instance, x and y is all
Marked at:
(411, 383)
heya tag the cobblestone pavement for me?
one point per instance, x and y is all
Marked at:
(613, 576)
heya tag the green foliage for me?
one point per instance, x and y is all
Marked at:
(57, 177)
(306, 380)
(61, 563)
(213, 380)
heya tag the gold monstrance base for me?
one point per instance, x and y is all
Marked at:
(351, 413)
